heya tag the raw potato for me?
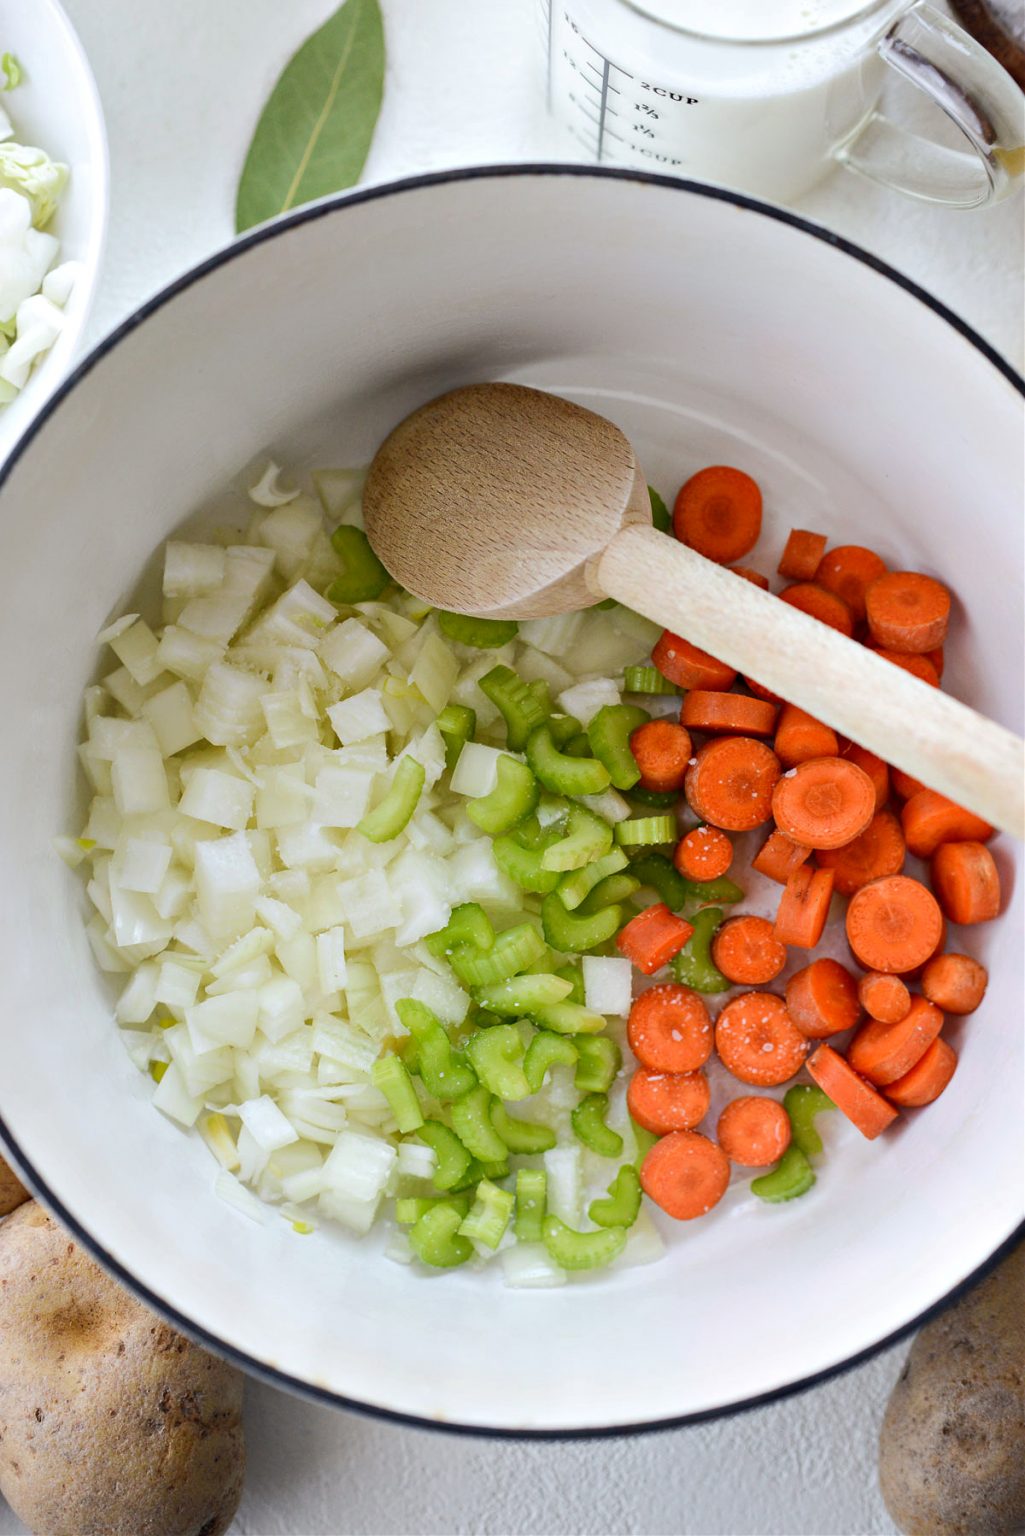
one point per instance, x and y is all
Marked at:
(952, 1449)
(111, 1423)
(12, 1191)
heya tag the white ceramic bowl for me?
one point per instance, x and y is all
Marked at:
(712, 329)
(57, 107)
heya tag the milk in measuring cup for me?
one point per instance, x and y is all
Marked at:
(754, 94)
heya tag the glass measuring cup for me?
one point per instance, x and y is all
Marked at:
(769, 95)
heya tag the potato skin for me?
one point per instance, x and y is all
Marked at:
(951, 1459)
(111, 1423)
(12, 1191)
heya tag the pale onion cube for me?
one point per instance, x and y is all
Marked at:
(228, 1020)
(266, 1124)
(59, 282)
(428, 749)
(282, 796)
(143, 865)
(175, 893)
(358, 1167)
(357, 1215)
(227, 884)
(108, 735)
(252, 975)
(242, 952)
(353, 653)
(138, 1000)
(124, 690)
(368, 905)
(553, 636)
(186, 654)
(222, 799)
(341, 795)
(282, 919)
(291, 529)
(96, 771)
(306, 1184)
(141, 1047)
(394, 986)
(370, 755)
(425, 909)
(307, 846)
(442, 996)
(229, 710)
(583, 700)
(298, 959)
(344, 1042)
(104, 824)
(136, 649)
(287, 722)
(398, 1248)
(299, 617)
(200, 1073)
(534, 666)
(172, 1098)
(171, 715)
(331, 959)
(281, 1009)
(562, 1168)
(324, 907)
(608, 984)
(177, 984)
(214, 1131)
(359, 716)
(415, 1161)
(609, 805)
(104, 953)
(135, 920)
(476, 772)
(427, 831)
(192, 570)
(434, 672)
(474, 876)
(529, 1266)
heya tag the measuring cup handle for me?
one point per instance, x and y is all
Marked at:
(974, 91)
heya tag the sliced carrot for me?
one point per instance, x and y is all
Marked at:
(930, 819)
(662, 751)
(884, 1052)
(754, 1131)
(685, 1174)
(704, 854)
(904, 786)
(688, 667)
(927, 1078)
(955, 983)
(895, 923)
(822, 999)
(730, 783)
(874, 766)
(884, 997)
(848, 571)
(820, 604)
(669, 1029)
(747, 951)
(936, 657)
(728, 714)
(867, 1110)
(804, 907)
(801, 555)
(778, 857)
(668, 1101)
(755, 577)
(718, 512)
(761, 692)
(653, 937)
(966, 882)
(877, 851)
(918, 666)
(758, 1041)
(800, 737)
(907, 611)
(824, 803)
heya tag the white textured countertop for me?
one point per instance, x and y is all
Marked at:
(182, 85)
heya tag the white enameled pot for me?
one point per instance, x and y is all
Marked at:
(712, 329)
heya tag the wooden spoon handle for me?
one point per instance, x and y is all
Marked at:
(929, 735)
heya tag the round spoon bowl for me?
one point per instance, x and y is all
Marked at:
(709, 330)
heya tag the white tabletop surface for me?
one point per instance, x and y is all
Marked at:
(182, 85)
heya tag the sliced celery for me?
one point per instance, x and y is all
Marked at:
(445, 1075)
(364, 577)
(568, 1019)
(575, 976)
(561, 774)
(647, 680)
(389, 1076)
(531, 1192)
(609, 734)
(577, 884)
(521, 1136)
(435, 1237)
(661, 874)
(792, 1176)
(589, 1126)
(514, 796)
(484, 634)
(802, 1103)
(608, 892)
(588, 837)
(640, 831)
(469, 924)
(693, 965)
(572, 934)
(453, 1160)
(600, 1060)
(471, 1121)
(621, 1205)
(582, 1250)
(389, 818)
(513, 950)
(660, 516)
(490, 1215)
(547, 1050)
(457, 724)
(497, 1057)
(519, 855)
(522, 995)
(523, 706)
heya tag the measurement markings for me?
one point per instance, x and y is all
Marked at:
(604, 106)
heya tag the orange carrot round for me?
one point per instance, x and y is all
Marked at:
(758, 1041)
(754, 577)
(874, 766)
(685, 1174)
(966, 882)
(820, 604)
(747, 951)
(847, 572)
(778, 857)
(801, 555)
(669, 1029)
(661, 750)
(907, 611)
(930, 819)
(732, 714)
(894, 924)
(822, 999)
(704, 854)
(885, 998)
(866, 1109)
(879, 850)
(687, 666)
(955, 983)
(730, 783)
(800, 736)
(904, 786)
(718, 512)
(754, 1131)
(804, 907)
(918, 666)
(653, 937)
(824, 803)
(936, 657)
(668, 1101)
(885, 1052)
(927, 1078)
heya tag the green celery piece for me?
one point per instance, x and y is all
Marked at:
(389, 818)
(577, 884)
(655, 799)
(444, 1072)
(457, 724)
(435, 1238)
(490, 1215)
(600, 1060)
(714, 892)
(611, 891)
(588, 838)
(693, 965)
(468, 924)
(571, 934)
(484, 634)
(409, 1209)
(478, 1171)
(561, 774)
(647, 680)
(497, 1058)
(471, 1121)
(582, 1250)
(523, 706)
(519, 855)
(390, 1077)
(531, 1198)
(521, 995)
(609, 734)
(454, 1162)
(564, 728)
(578, 746)
(525, 1137)
(660, 516)
(802, 1103)
(645, 1140)
(568, 1019)
(514, 796)
(364, 577)
(620, 1207)
(575, 976)
(513, 950)
(791, 1177)
(547, 1050)
(646, 831)
(589, 1126)
(655, 870)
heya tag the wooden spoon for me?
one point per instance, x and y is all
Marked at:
(510, 503)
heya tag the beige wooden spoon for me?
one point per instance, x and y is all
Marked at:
(507, 502)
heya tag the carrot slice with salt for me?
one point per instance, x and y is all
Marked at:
(704, 854)
(929, 819)
(778, 857)
(955, 983)
(687, 666)
(848, 571)
(822, 999)
(685, 1174)
(907, 611)
(866, 1109)
(884, 997)
(824, 803)
(879, 850)
(668, 1101)
(754, 1131)
(927, 1078)
(800, 736)
(884, 1052)
(730, 783)
(732, 714)
(758, 1041)
(669, 1029)
(747, 952)
(894, 924)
